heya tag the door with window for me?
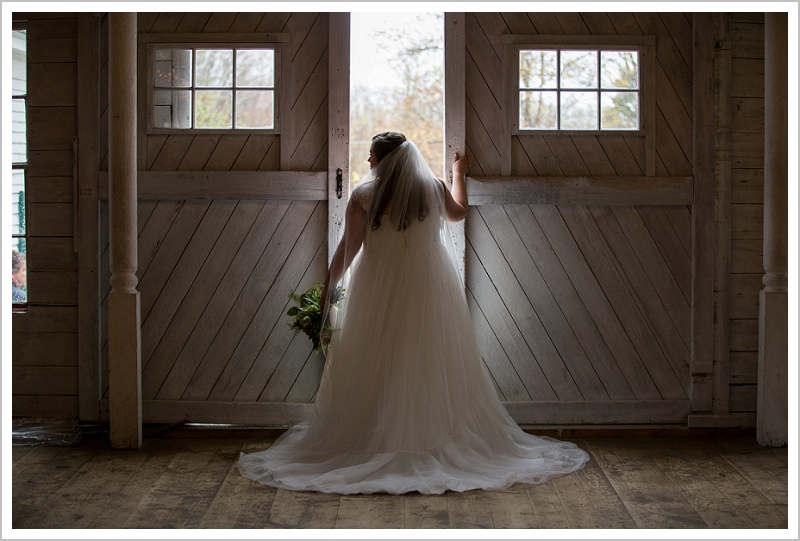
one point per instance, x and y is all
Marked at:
(577, 250)
(233, 212)
(579, 238)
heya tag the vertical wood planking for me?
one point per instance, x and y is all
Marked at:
(702, 351)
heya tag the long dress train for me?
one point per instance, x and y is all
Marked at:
(405, 402)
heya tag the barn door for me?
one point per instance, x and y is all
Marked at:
(229, 224)
(579, 247)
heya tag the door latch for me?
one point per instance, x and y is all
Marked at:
(338, 183)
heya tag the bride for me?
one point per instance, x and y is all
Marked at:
(405, 403)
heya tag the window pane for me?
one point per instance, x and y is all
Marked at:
(19, 271)
(578, 110)
(213, 109)
(538, 69)
(255, 109)
(17, 201)
(537, 110)
(172, 109)
(214, 68)
(578, 69)
(19, 132)
(173, 68)
(255, 68)
(620, 110)
(19, 68)
(619, 69)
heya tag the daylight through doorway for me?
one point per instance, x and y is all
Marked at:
(396, 84)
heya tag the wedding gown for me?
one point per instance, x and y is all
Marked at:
(405, 402)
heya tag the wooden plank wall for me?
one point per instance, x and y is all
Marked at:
(746, 101)
(587, 307)
(215, 273)
(618, 155)
(45, 338)
(574, 303)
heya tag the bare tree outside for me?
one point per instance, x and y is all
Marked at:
(567, 89)
(212, 89)
(397, 84)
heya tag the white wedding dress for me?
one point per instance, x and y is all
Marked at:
(405, 403)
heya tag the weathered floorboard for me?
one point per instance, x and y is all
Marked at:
(189, 480)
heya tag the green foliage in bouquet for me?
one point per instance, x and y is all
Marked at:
(307, 315)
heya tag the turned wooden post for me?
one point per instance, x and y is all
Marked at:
(124, 312)
(773, 353)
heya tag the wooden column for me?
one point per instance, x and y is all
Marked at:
(124, 313)
(773, 353)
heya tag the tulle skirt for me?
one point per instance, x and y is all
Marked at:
(405, 403)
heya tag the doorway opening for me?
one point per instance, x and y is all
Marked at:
(396, 84)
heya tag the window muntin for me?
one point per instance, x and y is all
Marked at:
(214, 88)
(19, 153)
(571, 89)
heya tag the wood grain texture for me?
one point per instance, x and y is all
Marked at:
(565, 287)
(634, 481)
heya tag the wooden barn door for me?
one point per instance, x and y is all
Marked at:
(229, 224)
(579, 248)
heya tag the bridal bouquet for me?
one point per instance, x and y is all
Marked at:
(307, 315)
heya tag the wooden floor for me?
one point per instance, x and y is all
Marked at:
(632, 481)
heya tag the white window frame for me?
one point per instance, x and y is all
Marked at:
(169, 44)
(645, 45)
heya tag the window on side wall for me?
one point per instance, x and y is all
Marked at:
(212, 88)
(19, 166)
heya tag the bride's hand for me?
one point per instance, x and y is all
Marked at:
(460, 164)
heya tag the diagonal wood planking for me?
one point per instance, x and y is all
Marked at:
(164, 352)
(270, 314)
(214, 275)
(572, 270)
(608, 286)
(209, 314)
(614, 335)
(530, 154)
